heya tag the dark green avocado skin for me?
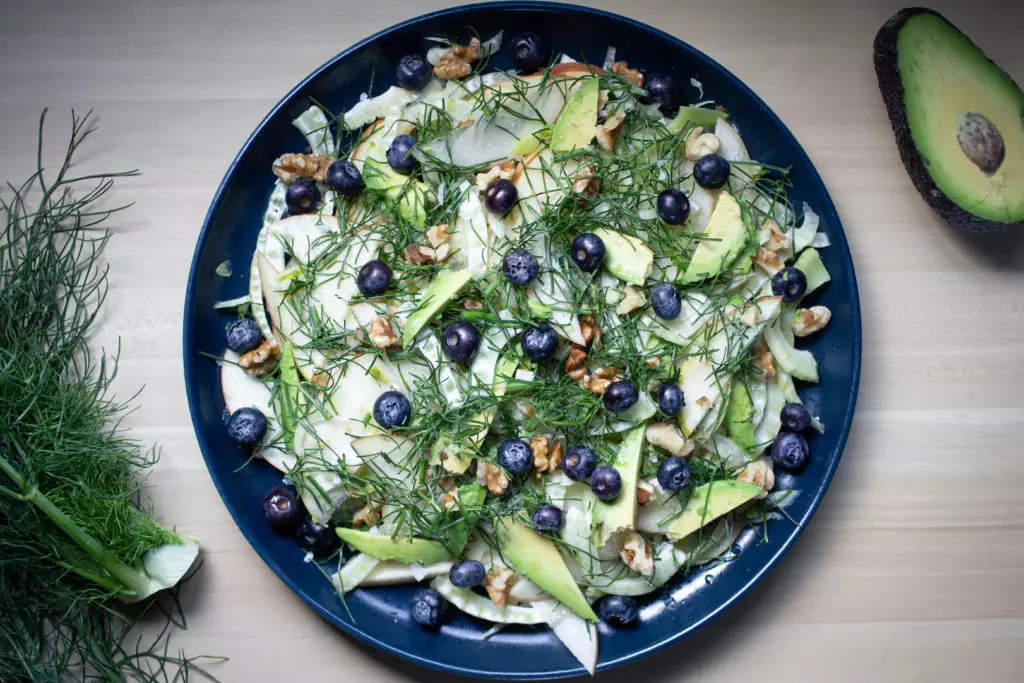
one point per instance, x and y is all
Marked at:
(889, 82)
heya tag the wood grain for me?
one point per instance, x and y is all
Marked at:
(914, 567)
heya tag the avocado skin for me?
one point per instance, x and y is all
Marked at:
(889, 83)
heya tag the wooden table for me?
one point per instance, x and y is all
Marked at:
(913, 569)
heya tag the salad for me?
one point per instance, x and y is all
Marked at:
(525, 337)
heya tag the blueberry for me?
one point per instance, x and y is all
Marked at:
(500, 196)
(302, 196)
(790, 451)
(319, 539)
(413, 72)
(461, 340)
(670, 399)
(620, 395)
(243, 335)
(374, 278)
(795, 418)
(247, 426)
(548, 519)
(428, 607)
(663, 90)
(539, 342)
(588, 251)
(400, 157)
(666, 302)
(528, 52)
(344, 178)
(790, 283)
(467, 573)
(392, 409)
(579, 463)
(606, 482)
(673, 206)
(520, 267)
(618, 610)
(711, 171)
(515, 455)
(673, 474)
(282, 511)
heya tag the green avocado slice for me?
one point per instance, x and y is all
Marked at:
(620, 514)
(739, 416)
(401, 548)
(445, 286)
(958, 120)
(627, 258)
(709, 502)
(725, 238)
(577, 124)
(538, 559)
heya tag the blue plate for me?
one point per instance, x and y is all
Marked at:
(380, 616)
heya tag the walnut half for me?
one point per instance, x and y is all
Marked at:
(457, 62)
(263, 359)
(807, 321)
(382, 334)
(498, 583)
(289, 167)
(637, 554)
(491, 476)
(634, 75)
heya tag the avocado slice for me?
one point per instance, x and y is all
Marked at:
(809, 263)
(726, 236)
(620, 513)
(445, 286)
(627, 258)
(538, 559)
(401, 548)
(958, 120)
(577, 124)
(698, 116)
(471, 500)
(739, 416)
(290, 395)
(409, 193)
(707, 503)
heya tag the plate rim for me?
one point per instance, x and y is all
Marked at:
(755, 577)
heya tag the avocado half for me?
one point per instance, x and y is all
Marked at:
(958, 120)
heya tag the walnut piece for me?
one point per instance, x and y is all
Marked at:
(601, 379)
(632, 299)
(263, 359)
(491, 476)
(450, 499)
(759, 472)
(456, 63)
(369, 515)
(807, 321)
(591, 332)
(382, 334)
(763, 358)
(576, 363)
(586, 183)
(667, 437)
(438, 235)
(700, 144)
(644, 491)
(506, 169)
(555, 455)
(768, 260)
(634, 75)
(420, 254)
(539, 447)
(637, 554)
(289, 167)
(472, 305)
(608, 132)
(498, 583)
(777, 240)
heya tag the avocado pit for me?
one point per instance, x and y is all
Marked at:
(981, 141)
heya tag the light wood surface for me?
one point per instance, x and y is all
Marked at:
(913, 569)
